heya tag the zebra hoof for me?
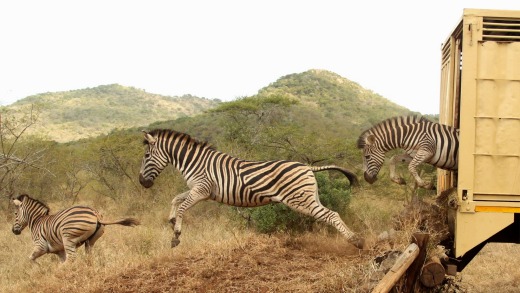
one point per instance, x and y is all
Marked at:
(399, 181)
(175, 242)
(359, 243)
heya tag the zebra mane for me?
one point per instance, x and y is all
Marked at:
(21, 197)
(402, 119)
(160, 133)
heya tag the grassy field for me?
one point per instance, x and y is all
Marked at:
(494, 269)
(218, 254)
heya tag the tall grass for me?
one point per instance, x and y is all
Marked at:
(117, 250)
(218, 253)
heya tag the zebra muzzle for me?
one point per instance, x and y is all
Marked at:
(370, 179)
(146, 183)
(16, 231)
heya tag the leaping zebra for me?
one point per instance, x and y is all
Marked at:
(63, 232)
(422, 140)
(213, 175)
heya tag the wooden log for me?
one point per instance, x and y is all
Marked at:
(421, 239)
(433, 273)
(398, 269)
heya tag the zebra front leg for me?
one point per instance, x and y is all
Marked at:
(36, 253)
(177, 200)
(62, 255)
(190, 200)
(402, 158)
(421, 157)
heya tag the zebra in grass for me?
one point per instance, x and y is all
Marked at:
(63, 232)
(217, 176)
(422, 140)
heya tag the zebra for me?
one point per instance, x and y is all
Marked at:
(62, 232)
(213, 175)
(422, 140)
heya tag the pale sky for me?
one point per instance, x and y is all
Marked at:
(227, 49)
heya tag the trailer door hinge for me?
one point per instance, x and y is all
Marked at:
(467, 207)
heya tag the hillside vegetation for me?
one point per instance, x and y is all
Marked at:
(336, 98)
(72, 115)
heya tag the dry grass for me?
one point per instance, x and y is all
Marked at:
(494, 269)
(217, 255)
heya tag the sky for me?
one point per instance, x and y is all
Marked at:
(227, 49)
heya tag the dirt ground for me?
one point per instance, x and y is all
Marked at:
(261, 264)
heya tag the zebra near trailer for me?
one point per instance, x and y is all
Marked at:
(422, 140)
(62, 232)
(214, 175)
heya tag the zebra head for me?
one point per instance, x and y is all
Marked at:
(154, 161)
(26, 210)
(373, 156)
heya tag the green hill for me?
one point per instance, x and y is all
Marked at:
(72, 115)
(336, 97)
(323, 101)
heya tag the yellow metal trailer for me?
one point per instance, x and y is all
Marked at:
(480, 95)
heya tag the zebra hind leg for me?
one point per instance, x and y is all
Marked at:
(89, 243)
(333, 219)
(312, 207)
(70, 249)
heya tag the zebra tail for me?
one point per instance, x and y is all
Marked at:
(351, 176)
(125, 222)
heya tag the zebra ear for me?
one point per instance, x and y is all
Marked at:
(150, 139)
(17, 202)
(370, 139)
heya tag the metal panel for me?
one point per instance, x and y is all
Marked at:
(473, 229)
(488, 187)
(497, 120)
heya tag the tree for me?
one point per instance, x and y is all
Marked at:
(16, 155)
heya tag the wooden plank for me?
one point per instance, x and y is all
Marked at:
(398, 269)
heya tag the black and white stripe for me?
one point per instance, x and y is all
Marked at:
(213, 175)
(63, 232)
(422, 140)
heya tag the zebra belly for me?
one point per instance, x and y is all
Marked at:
(443, 163)
(244, 200)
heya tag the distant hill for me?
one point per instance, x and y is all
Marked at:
(76, 114)
(337, 98)
(325, 99)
